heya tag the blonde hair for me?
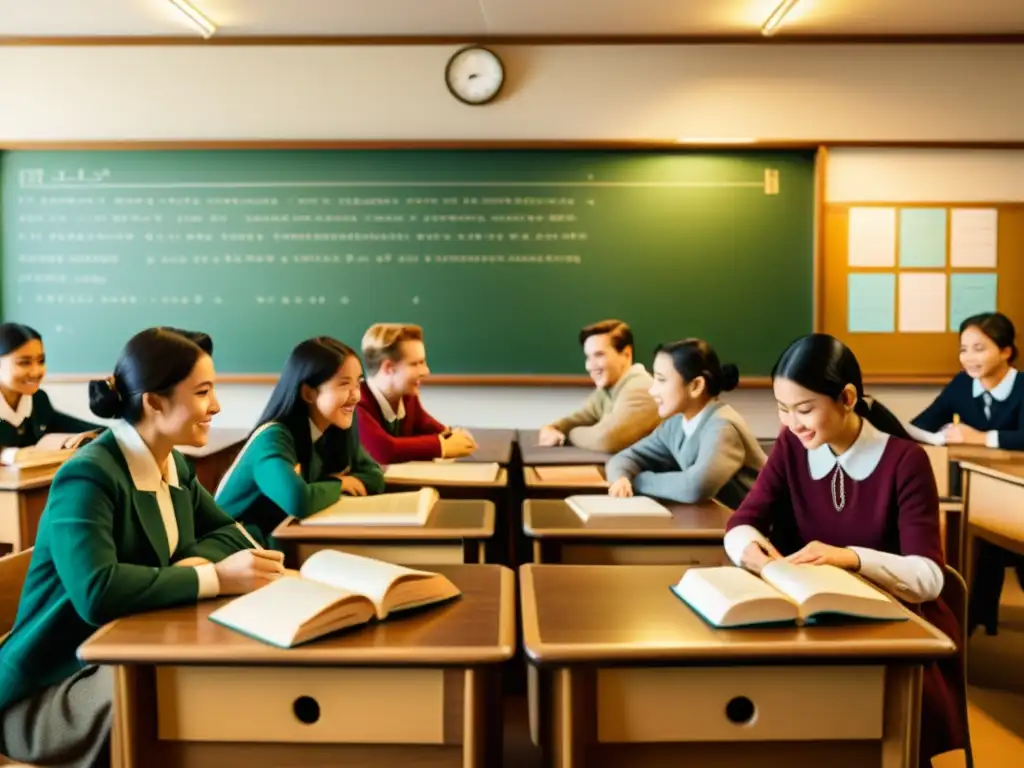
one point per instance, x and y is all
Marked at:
(383, 341)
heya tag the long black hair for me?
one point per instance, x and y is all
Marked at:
(824, 365)
(694, 358)
(15, 335)
(312, 362)
(154, 360)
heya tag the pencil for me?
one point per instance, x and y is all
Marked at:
(956, 418)
(255, 544)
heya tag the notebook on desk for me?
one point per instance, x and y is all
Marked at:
(411, 508)
(728, 596)
(634, 511)
(571, 474)
(332, 591)
(442, 472)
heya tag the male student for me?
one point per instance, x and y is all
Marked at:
(621, 410)
(393, 425)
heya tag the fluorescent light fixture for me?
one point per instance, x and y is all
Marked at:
(715, 140)
(204, 25)
(778, 15)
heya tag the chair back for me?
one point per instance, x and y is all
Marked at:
(955, 595)
(13, 569)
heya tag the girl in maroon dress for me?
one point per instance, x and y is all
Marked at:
(844, 486)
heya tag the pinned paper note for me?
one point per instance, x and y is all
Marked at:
(970, 293)
(871, 303)
(871, 241)
(922, 302)
(923, 237)
(973, 237)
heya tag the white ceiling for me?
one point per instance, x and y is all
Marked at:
(41, 18)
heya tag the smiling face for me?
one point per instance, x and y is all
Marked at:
(405, 375)
(184, 415)
(672, 394)
(814, 418)
(605, 364)
(981, 357)
(22, 370)
(334, 402)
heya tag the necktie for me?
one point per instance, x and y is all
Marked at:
(986, 399)
(316, 461)
(395, 427)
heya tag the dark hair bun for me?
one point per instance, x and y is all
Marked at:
(730, 377)
(104, 401)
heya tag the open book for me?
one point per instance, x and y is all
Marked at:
(632, 511)
(333, 590)
(727, 596)
(441, 472)
(407, 508)
(571, 474)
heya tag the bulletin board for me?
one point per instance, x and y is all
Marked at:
(898, 278)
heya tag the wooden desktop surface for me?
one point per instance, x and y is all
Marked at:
(493, 446)
(13, 480)
(623, 614)
(553, 518)
(450, 519)
(1010, 471)
(534, 454)
(477, 628)
(533, 480)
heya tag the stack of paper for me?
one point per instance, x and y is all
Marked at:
(412, 508)
(428, 472)
(631, 511)
(581, 474)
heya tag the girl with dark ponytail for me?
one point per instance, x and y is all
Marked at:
(843, 486)
(703, 449)
(126, 529)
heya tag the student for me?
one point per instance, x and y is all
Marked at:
(983, 405)
(25, 411)
(620, 410)
(126, 529)
(392, 421)
(844, 486)
(703, 449)
(305, 453)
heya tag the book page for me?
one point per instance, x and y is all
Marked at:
(727, 595)
(407, 508)
(442, 472)
(803, 582)
(572, 474)
(599, 505)
(353, 573)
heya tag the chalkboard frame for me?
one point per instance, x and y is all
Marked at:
(469, 380)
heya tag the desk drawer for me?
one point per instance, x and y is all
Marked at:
(301, 705)
(653, 704)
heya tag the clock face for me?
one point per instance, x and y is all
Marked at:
(475, 75)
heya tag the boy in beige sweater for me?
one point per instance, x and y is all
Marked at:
(620, 411)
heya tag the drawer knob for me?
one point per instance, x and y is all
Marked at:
(306, 709)
(740, 710)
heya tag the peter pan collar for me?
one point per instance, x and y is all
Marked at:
(999, 392)
(15, 416)
(859, 460)
(146, 475)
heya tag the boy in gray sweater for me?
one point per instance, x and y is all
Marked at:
(703, 449)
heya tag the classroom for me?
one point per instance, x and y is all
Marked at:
(593, 315)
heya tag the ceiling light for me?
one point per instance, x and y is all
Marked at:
(777, 16)
(204, 25)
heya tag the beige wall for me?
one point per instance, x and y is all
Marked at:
(819, 93)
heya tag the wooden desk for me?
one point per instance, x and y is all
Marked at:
(419, 690)
(536, 487)
(460, 489)
(623, 673)
(455, 533)
(534, 454)
(22, 501)
(993, 510)
(946, 460)
(493, 446)
(692, 537)
(214, 459)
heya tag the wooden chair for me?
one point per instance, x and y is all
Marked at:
(13, 569)
(954, 594)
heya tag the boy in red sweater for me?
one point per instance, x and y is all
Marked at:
(393, 425)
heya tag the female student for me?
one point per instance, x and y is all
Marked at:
(305, 452)
(843, 486)
(983, 405)
(703, 449)
(25, 411)
(126, 529)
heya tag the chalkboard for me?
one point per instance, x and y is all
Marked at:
(501, 255)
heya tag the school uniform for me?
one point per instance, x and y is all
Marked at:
(35, 418)
(265, 484)
(113, 523)
(392, 436)
(711, 456)
(879, 499)
(999, 413)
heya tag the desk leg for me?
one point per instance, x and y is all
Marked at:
(902, 725)
(483, 718)
(134, 715)
(573, 718)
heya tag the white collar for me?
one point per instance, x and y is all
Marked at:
(15, 416)
(1000, 391)
(386, 410)
(859, 460)
(690, 425)
(146, 475)
(315, 432)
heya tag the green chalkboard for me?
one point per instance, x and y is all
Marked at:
(501, 255)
